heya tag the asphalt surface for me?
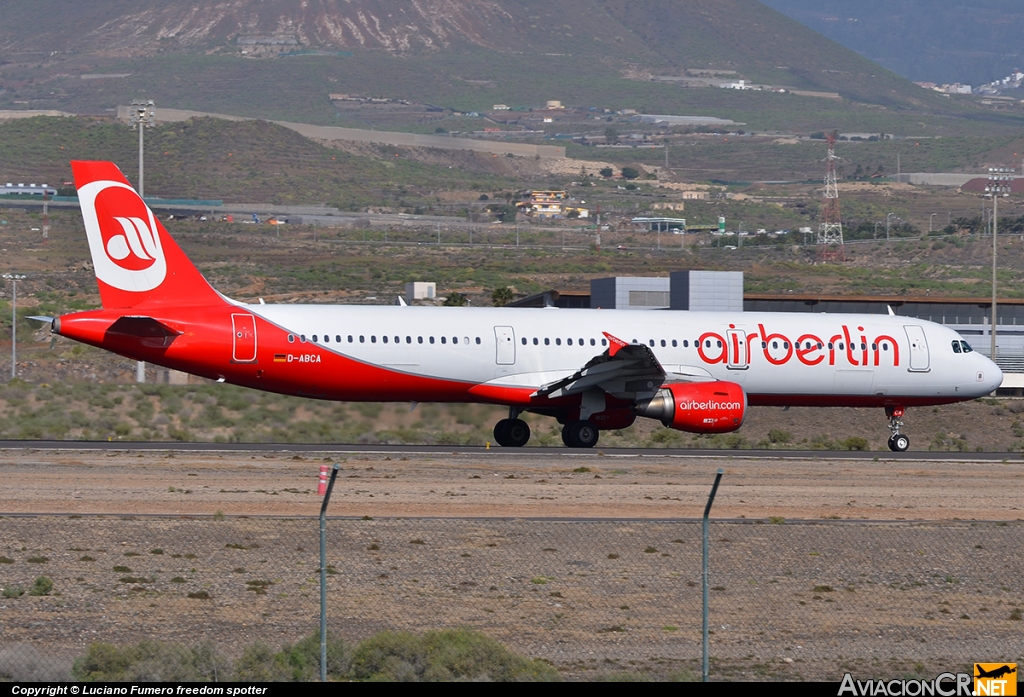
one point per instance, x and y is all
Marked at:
(912, 455)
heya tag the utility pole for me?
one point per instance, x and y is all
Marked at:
(1000, 180)
(142, 115)
(14, 278)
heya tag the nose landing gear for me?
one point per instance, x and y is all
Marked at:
(897, 442)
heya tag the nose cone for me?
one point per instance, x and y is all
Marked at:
(989, 375)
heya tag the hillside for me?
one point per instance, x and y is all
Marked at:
(256, 58)
(940, 41)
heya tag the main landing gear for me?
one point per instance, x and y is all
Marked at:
(512, 432)
(897, 441)
(580, 434)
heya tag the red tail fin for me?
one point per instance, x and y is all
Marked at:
(136, 261)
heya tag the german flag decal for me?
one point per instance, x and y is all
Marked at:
(280, 358)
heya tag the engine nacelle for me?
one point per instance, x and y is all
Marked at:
(698, 407)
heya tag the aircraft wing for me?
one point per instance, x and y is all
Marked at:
(623, 370)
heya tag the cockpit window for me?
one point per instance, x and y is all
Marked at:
(966, 347)
(956, 346)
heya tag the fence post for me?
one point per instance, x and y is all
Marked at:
(323, 573)
(704, 568)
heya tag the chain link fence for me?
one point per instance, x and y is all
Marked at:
(595, 598)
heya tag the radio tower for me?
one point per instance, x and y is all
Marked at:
(830, 232)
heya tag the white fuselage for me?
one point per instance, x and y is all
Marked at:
(776, 357)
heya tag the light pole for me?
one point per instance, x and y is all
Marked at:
(999, 182)
(887, 225)
(877, 223)
(14, 278)
(143, 115)
(930, 220)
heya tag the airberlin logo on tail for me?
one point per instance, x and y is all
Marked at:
(123, 237)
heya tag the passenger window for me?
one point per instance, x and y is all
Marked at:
(547, 341)
(327, 338)
(956, 346)
(338, 338)
(291, 338)
(302, 338)
(535, 341)
(350, 338)
(465, 340)
(581, 342)
(819, 345)
(444, 339)
(569, 342)
(362, 339)
(775, 344)
(455, 339)
(384, 338)
(419, 339)
(314, 338)
(431, 339)
(674, 343)
(524, 341)
(830, 346)
(478, 340)
(408, 339)
(558, 342)
(686, 343)
(593, 343)
(663, 343)
(373, 338)
(785, 344)
(604, 342)
(398, 339)
(885, 346)
(651, 341)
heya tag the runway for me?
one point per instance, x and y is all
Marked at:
(122, 478)
(497, 451)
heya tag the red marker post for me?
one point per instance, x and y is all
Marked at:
(321, 487)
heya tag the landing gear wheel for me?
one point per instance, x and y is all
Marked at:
(582, 434)
(511, 433)
(565, 435)
(899, 443)
(501, 429)
(517, 433)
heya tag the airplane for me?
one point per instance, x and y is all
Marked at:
(592, 370)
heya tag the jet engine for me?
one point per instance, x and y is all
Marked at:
(697, 407)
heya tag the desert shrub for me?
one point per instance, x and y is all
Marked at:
(151, 661)
(446, 655)
(294, 662)
(23, 663)
(42, 586)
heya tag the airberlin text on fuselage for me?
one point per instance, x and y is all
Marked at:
(849, 346)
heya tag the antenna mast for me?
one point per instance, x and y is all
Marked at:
(830, 231)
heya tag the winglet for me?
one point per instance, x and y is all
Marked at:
(615, 344)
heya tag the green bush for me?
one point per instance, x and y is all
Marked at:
(446, 655)
(151, 661)
(42, 586)
(298, 662)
